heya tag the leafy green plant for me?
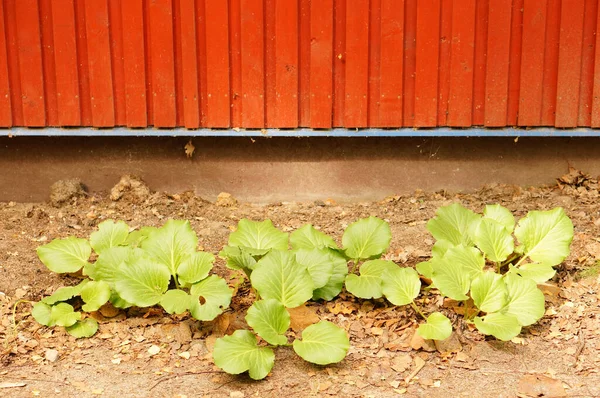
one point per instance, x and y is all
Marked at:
(475, 261)
(282, 279)
(141, 268)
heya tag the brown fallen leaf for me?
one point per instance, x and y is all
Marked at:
(401, 362)
(449, 345)
(302, 317)
(541, 386)
(189, 149)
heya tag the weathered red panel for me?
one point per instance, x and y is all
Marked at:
(163, 63)
(427, 58)
(461, 68)
(532, 62)
(321, 61)
(357, 64)
(186, 28)
(444, 63)
(253, 63)
(218, 108)
(497, 68)
(65, 57)
(392, 55)
(569, 64)
(30, 62)
(299, 63)
(286, 62)
(596, 91)
(5, 104)
(134, 64)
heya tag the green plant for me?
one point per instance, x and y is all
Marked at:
(140, 268)
(282, 279)
(475, 260)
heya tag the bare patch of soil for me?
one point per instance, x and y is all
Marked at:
(151, 354)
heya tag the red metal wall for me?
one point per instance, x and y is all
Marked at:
(290, 63)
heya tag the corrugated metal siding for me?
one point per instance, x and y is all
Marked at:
(299, 63)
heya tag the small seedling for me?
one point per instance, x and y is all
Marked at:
(140, 268)
(282, 279)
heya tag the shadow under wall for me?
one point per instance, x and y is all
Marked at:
(275, 169)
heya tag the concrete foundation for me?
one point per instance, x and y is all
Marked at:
(289, 169)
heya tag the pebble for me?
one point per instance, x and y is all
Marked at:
(51, 355)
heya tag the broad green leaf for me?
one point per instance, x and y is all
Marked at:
(239, 352)
(545, 236)
(540, 273)
(171, 244)
(502, 326)
(494, 240)
(438, 327)
(85, 328)
(65, 293)
(65, 255)
(400, 285)
(525, 300)
(453, 223)
(42, 313)
(367, 238)
(452, 281)
(426, 268)
(110, 261)
(489, 292)
(469, 258)
(62, 314)
(270, 320)
(307, 237)
(334, 285)
(319, 264)
(238, 258)
(209, 298)
(323, 343)
(143, 281)
(118, 302)
(195, 268)
(135, 238)
(175, 301)
(257, 238)
(501, 215)
(369, 283)
(453, 273)
(440, 247)
(279, 276)
(109, 234)
(95, 295)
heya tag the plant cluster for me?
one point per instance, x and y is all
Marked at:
(476, 260)
(141, 268)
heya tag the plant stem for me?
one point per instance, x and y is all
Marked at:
(354, 266)
(520, 261)
(498, 266)
(414, 307)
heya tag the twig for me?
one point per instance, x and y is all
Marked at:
(174, 376)
(415, 372)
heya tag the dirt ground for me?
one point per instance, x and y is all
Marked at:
(559, 356)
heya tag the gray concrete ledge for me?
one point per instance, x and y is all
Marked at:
(274, 169)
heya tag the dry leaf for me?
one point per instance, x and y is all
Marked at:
(541, 386)
(153, 350)
(302, 317)
(401, 362)
(189, 149)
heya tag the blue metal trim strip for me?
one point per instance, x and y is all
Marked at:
(303, 132)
